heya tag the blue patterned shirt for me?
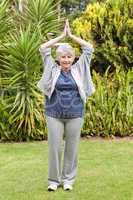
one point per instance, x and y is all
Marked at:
(65, 101)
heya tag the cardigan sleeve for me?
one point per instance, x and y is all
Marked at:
(85, 58)
(83, 66)
(45, 82)
(47, 58)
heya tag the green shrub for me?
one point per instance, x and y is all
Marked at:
(110, 26)
(110, 110)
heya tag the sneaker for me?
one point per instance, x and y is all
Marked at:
(67, 187)
(52, 187)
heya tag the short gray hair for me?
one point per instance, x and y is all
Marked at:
(65, 48)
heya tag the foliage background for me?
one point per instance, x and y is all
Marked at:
(107, 24)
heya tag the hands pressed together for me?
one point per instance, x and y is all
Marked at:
(66, 33)
(67, 30)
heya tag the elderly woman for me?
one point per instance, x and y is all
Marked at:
(66, 84)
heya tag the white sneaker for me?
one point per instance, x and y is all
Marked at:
(67, 187)
(52, 187)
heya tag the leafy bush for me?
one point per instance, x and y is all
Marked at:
(110, 110)
(110, 26)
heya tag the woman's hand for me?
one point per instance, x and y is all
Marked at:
(68, 30)
(75, 38)
(64, 33)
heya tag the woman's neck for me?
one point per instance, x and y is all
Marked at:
(66, 70)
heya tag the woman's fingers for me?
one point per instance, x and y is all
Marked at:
(68, 28)
(65, 30)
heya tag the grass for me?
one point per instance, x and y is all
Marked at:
(105, 171)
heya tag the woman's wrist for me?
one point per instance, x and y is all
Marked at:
(62, 36)
(71, 35)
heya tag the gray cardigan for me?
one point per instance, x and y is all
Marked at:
(80, 72)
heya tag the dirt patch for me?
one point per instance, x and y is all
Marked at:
(88, 137)
(106, 138)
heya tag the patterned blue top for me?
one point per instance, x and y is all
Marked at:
(65, 101)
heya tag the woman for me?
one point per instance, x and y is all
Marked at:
(66, 85)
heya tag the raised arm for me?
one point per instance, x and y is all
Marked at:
(54, 41)
(75, 38)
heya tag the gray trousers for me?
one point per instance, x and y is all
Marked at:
(63, 134)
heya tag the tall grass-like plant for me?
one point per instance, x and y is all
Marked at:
(110, 111)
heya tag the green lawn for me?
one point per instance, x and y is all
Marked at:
(105, 171)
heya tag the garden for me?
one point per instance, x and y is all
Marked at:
(108, 25)
(106, 146)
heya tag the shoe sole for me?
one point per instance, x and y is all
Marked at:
(68, 189)
(51, 190)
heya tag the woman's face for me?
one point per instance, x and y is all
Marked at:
(66, 60)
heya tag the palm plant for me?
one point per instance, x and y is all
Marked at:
(43, 15)
(4, 18)
(21, 69)
(4, 30)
